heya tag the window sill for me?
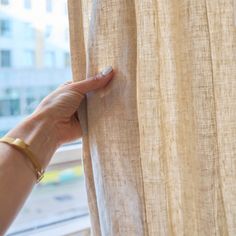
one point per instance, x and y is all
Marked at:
(80, 226)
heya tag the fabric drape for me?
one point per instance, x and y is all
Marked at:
(160, 139)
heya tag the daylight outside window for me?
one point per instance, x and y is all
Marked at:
(34, 60)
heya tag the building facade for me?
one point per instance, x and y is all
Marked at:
(34, 55)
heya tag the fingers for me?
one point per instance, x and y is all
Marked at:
(96, 82)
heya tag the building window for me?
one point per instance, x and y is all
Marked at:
(49, 5)
(29, 31)
(9, 107)
(49, 59)
(5, 2)
(67, 59)
(5, 58)
(5, 28)
(27, 4)
(29, 58)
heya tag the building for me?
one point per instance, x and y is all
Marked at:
(34, 55)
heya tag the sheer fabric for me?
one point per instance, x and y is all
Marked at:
(160, 139)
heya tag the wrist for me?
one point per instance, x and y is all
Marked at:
(38, 132)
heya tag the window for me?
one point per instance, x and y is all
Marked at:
(5, 2)
(9, 107)
(59, 202)
(50, 59)
(29, 58)
(5, 58)
(9, 102)
(29, 31)
(27, 4)
(5, 28)
(49, 5)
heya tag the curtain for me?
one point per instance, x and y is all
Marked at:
(160, 140)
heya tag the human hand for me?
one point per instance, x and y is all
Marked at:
(55, 120)
(60, 107)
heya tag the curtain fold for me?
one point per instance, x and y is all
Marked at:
(160, 140)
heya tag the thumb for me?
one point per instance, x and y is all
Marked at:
(96, 82)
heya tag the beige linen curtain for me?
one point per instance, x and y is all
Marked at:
(160, 139)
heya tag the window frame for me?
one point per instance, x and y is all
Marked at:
(79, 226)
(66, 156)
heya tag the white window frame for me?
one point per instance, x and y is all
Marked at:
(66, 156)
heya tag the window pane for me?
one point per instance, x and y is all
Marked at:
(5, 58)
(9, 107)
(35, 60)
(5, 2)
(5, 28)
(29, 31)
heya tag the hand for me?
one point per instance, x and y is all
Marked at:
(55, 120)
(61, 106)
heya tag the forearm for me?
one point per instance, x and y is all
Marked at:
(17, 176)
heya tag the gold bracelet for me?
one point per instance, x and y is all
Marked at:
(23, 147)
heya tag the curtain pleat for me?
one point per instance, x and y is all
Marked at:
(160, 140)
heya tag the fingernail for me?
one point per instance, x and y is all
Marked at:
(107, 70)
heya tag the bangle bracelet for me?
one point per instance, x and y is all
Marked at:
(24, 148)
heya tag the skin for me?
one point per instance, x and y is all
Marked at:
(53, 123)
